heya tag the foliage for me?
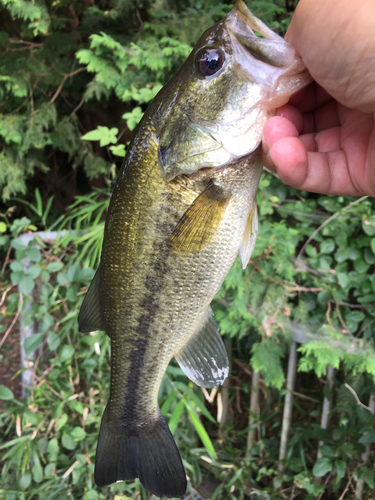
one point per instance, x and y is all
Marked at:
(53, 435)
(76, 79)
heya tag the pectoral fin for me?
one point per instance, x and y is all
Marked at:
(204, 358)
(249, 236)
(90, 317)
(200, 222)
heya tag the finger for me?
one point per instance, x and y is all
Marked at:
(318, 172)
(275, 129)
(323, 117)
(309, 142)
(325, 141)
(328, 140)
(288, 157)
(292, 114)
(309, 98)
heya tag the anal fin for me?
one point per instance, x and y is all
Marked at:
(249, 236)
(199, 224)
(90, 317)
(204, 358)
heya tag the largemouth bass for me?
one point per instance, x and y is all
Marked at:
(183, 208)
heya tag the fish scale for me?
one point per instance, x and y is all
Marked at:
(182, 209)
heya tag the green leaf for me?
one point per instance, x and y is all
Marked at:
(50, 469)
(5, 393)
(53, 340)
(33, 272)
(168, 403)
(368, 227)
(368, 475)
(369, 256)
(327, 246)
(33, 254)
(33, 342)
(94, 135)
(53, 267)
(202, 433)
(53, 449)
(18, 244)
(343, 279)
(68, 442)
(194, 398)
(118, 150)
(3, 227)
(26, 284)
(234, 478)
(72, 294)
(78, 434)
(17, 277)
(36, 469)
(61, 421)
(327, 451)
(368, 437)
(322, 466)
(133, 118)
(66, 353)
(25, 480)
(103, 134)
(4, 240)
(176, 416)
(17, 266)
(340, 468)
(361, 266)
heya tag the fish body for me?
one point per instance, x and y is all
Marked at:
(183, 208)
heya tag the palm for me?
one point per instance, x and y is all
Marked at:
(335, 151)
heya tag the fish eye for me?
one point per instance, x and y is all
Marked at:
(210, 61)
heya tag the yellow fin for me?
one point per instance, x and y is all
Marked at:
(249, 236)
(200, 222)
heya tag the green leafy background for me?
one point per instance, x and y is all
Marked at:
(75, 80)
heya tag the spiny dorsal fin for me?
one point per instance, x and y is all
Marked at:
(249, 236)
(90, 317)
(200, 222)
(204, 358)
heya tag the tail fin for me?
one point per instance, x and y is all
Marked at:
(148, 451)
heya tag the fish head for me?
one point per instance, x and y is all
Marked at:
(218, 102)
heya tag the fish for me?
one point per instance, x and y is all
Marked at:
(183, 207)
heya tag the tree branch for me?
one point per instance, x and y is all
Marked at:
(59, 88)
(359, 402)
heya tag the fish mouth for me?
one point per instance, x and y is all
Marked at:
(271, 49)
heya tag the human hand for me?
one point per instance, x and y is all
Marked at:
(324, 139)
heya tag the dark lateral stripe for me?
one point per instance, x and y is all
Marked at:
(154, 282)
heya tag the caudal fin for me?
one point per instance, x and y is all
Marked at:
(148, 451)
